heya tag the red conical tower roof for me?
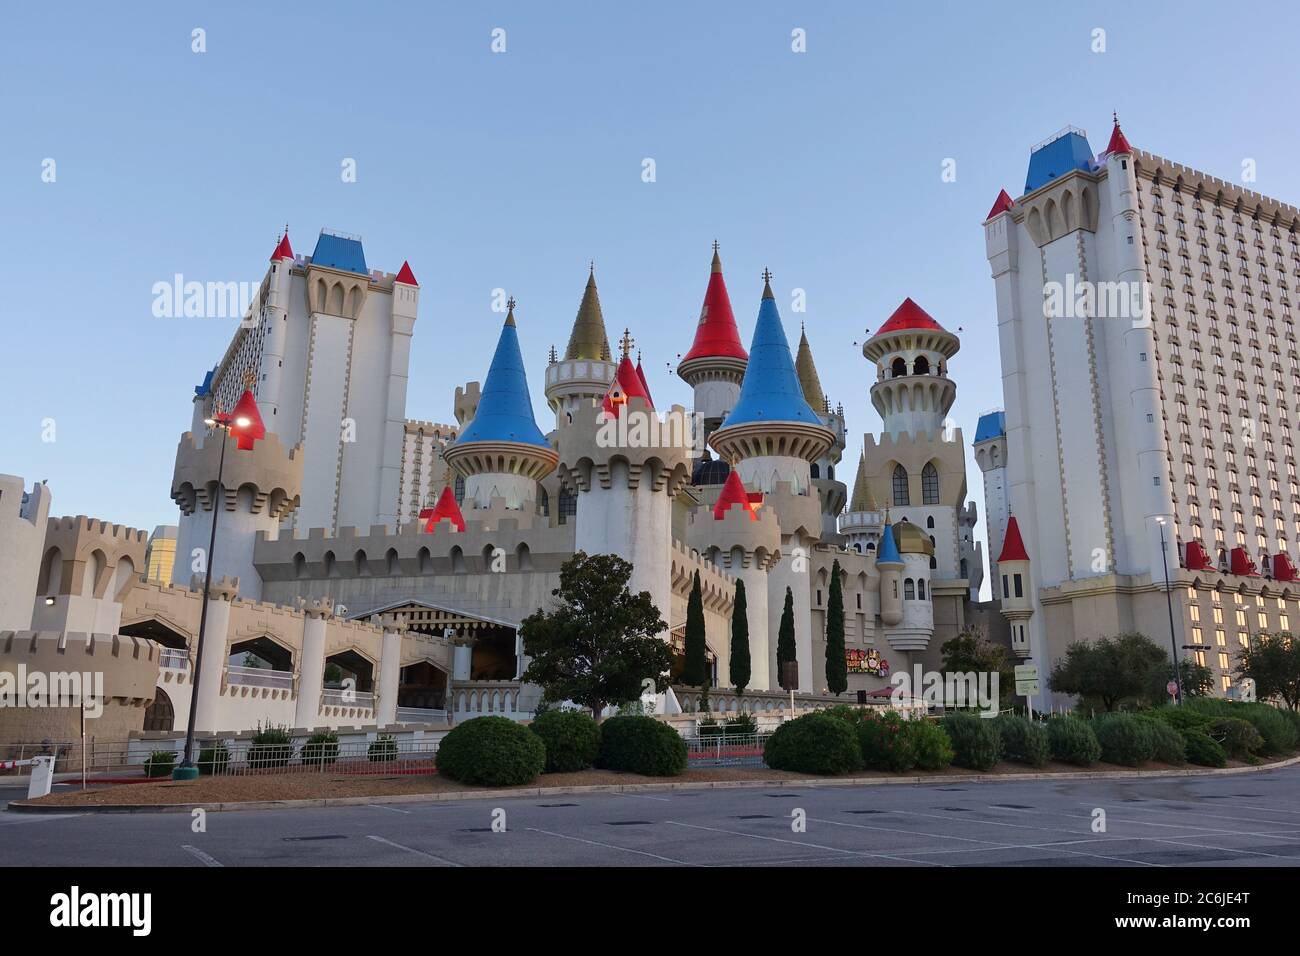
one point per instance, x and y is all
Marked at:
(283, 250)
(734, 493)
(909, 315)
(405, 275)
(627, 384)
(640, 373)
(447, 509)
(1118, 142)
(245, 435)
(1003, 203)
(1013, 546)
(716, 334)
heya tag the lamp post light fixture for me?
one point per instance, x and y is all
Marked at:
(1169, 600)
(223, 425)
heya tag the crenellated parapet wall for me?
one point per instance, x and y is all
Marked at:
(946, 451)
(717, 587)
(758, 536)
(639, 444)
(90, 547)
(273, 475)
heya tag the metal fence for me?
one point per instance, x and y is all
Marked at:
(726, 750)
(382, 757)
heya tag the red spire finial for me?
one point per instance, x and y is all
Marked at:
(283, 250)
(1118, 142)
(445, 509)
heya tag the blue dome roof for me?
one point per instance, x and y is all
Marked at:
(770, 391)
(888, 551)
(710, 471)
(505, 410)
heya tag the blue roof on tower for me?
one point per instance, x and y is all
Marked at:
(1067, 151)
(888, 550)
(505, 410)
(770, 391)
(204, 389)
(340, 252)
(991, 425)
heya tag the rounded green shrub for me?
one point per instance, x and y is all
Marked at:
(493, 751)
(271, 747)
(382, 749)
(814, 743)
(976, 742)
(1239, 739)
(1203, 750)
(1183, 718)
(930, 743)
(214, 758)
(1280, 735)
(1024, 740)
(572, 739)
(885, 743)
(1072, 741)
(854, 715)
(1125, 740)
(641, 745)
(1168, 745)
(321, 749)
(159, 764)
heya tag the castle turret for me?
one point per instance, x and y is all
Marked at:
(23, 518)
(914, 631)
(626, 466)
(1013, 588)
(861, 524)
(890, 565)
(584, 373)
(744, 539)
(86, 571)
(275, 320)
(833, 493)
(912, 392)
(1149, 447)
(715, 364)
(772, 437)
(261, 485)
(991, 455)
(502, 453)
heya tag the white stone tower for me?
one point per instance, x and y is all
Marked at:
(990, 449)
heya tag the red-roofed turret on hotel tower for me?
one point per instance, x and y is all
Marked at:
(716, 362)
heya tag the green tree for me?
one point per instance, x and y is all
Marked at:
(1272, 661)
(739, 664)
(971, 651)
(600, 642)
(1197, 680)
(695, 668)
(837, 669)
(785, 650)
(1111, 671)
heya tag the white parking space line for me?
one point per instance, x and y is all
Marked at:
(205, 858)
(380, 806)
(1204, 813)
(1288, 830)
(411, 849)
(611, 846)
(800, 843)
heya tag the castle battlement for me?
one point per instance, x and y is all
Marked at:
(273, 473)
(79, 526)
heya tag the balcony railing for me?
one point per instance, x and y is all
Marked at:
(174, 658)
(259, 677)
(337, 697)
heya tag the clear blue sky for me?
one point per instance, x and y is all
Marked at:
(513, 170)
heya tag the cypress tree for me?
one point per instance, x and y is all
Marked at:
(739, 665)
(785, 650)
(837, 670)
(693, 669)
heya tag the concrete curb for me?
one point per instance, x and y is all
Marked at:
(22, 806)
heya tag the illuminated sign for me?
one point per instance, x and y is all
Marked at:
(866, 662)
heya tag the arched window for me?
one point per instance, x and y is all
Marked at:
(933, 563)
(929, 523)
(921, 366)
(909, 590)
(929, 484)
(458, 489)
(901, 495)
(964, 573)
(898, 368)
(543, 502)
(920, 590)
(814, 471)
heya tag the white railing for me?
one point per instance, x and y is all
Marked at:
(259, 677)
(421, 715)
(335, 697)
(175, 659)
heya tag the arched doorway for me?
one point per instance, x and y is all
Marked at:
(159, 715)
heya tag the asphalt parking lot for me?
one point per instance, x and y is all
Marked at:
(1240, 820)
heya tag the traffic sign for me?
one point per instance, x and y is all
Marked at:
(1027, 680)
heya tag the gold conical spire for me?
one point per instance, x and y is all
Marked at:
(588, 339)
(807, 371)
(863, 499)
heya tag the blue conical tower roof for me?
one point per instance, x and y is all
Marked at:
(771, 391)
(887, 553)
(505, 410)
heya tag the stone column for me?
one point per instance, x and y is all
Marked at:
(461, 656)
(390, 669)
(212, 667)
(311, 669)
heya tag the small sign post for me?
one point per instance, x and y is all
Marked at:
(1027, 684)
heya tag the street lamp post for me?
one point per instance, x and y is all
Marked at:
(223, 424)
(1169, 600)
